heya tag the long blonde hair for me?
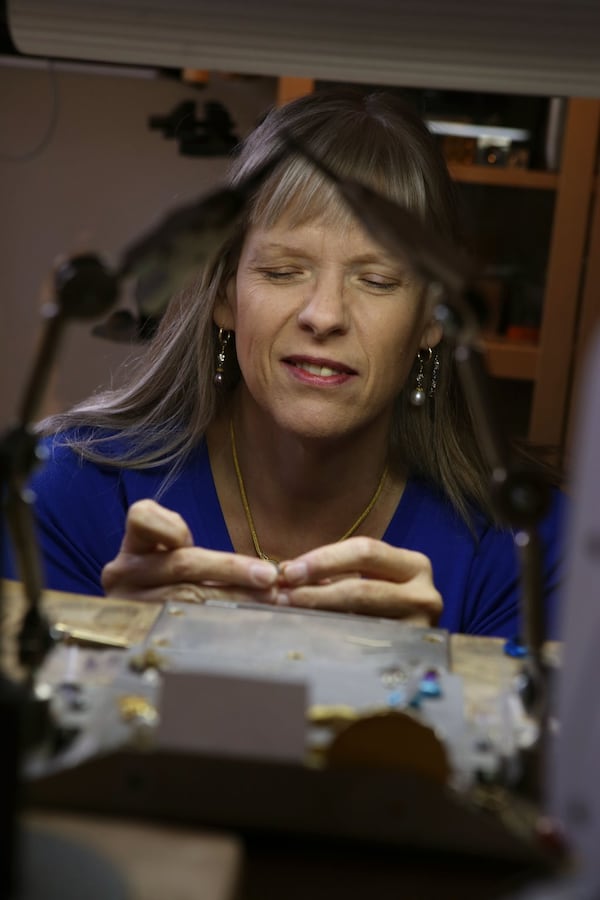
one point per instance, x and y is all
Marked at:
(169, 398)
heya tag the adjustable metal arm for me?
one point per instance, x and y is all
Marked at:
(178, 246)
(84, 288)
(520, 495)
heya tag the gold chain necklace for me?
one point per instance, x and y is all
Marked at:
(244, 497)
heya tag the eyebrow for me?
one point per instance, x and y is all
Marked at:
(280, 248)
(365, 259)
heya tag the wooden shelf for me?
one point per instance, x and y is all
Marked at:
(505, 176)
(511, 359)
(547, 367)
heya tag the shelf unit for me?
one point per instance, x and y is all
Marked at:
(504, 177)
(552, 365)
(511, 359)
(589, 315)
(565, 274)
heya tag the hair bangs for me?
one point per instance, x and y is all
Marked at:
(300, 193)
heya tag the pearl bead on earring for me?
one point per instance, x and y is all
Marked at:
(418, 395)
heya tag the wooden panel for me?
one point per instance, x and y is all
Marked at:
(504, 176)
(509, 359)
(291, 88)
(564, 271)
(589, 318)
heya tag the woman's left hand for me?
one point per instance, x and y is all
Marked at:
(362, 575)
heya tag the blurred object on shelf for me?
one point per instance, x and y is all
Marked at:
(524, 308)
(459, 150)
(491, 286)
(195, 76)
(513, 297)
(486, 145)
(526, 333)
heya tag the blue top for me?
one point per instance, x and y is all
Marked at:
(81, 509)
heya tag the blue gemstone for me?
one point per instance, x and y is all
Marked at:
(513, 647)
(431, 675)
(430, 687)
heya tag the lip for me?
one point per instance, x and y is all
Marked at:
(295, 365)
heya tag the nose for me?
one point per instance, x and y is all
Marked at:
(325, 309)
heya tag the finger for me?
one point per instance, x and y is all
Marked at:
(193, 593)
(363, 596)
(189, 565)
(362, 555)
(150, 526)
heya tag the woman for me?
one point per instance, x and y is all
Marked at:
(297, 406)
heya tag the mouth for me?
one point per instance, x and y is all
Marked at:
(321, 368)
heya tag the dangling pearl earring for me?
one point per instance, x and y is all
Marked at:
(435, 369)
(418, 395)
(223, 338)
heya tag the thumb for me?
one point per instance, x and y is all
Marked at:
(150, 527)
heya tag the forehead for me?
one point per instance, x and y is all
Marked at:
(345, 239)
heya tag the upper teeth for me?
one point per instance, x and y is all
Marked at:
(318, 370)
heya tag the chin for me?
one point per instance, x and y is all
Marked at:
(316, 427)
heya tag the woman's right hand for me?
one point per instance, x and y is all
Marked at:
(158, 561)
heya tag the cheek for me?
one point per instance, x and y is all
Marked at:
(254, 340)
(401, 359)
(260, 317)
(394, 350)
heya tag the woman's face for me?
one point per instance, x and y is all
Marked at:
(327, 326)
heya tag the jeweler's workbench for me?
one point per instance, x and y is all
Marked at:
(239, 857)
(480, 661)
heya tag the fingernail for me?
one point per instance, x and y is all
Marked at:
(263, 574)
(295, 572)
(282, 599)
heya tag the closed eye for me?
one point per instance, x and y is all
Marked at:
(279, 274)
(381, 285)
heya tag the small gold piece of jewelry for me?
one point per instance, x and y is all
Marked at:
(133, 707)
(244, 497)
(330, 715)
(147, 659)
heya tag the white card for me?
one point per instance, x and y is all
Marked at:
(233, 715)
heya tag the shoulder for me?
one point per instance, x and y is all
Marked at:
(69, 447)
(88, 460)
(75, 495)
(63, 464)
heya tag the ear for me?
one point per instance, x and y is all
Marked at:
(224, 312)
(431, 335)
